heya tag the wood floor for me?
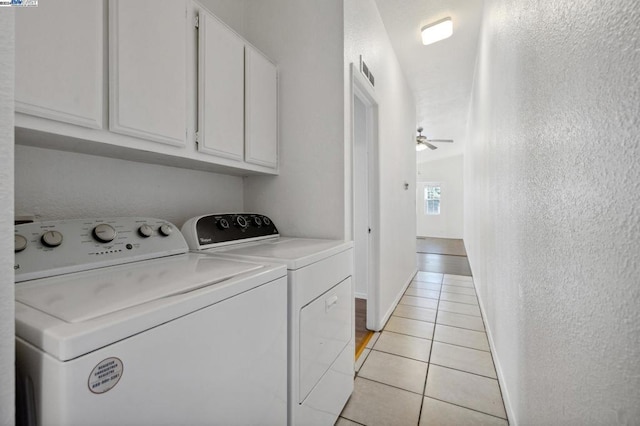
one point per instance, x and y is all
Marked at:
(444, 264)
(442, 255)
(362, 334)
(446, 246)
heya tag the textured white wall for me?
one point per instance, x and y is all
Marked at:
(365, 35)
(305, 39)
(449, 223)
(6, 219)
(552, 216)
(58, 185)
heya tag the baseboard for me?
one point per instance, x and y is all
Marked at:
(361, 295)
(387, 315)
(496, 361)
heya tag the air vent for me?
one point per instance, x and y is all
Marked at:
(364, 69)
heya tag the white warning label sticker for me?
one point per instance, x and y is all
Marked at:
(105, 375)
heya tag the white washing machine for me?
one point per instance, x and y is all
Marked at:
(118, 324)
(321, 305)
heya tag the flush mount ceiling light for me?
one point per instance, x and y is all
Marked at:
(437, 31)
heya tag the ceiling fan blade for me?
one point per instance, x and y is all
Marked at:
(430, 146)
(441, 140)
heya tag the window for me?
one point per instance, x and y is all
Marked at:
(432, 199)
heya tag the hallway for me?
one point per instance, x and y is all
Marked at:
(431, 365)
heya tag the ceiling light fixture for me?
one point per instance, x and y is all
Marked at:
(437, 31)
(422, 142)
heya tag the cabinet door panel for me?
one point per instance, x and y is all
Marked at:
(220, 90)
(148, 69)
(261, 110)
(59, 65)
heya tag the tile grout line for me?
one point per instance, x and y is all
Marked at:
(429, 361)
(445, 325)
(451, 301)
(436, 324)
(467, 408)
(460, 346)
(452, 312)
(463, 371)
(401, 356)
(391, 386)
(433, 335)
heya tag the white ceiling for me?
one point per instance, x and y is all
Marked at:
(441, 74)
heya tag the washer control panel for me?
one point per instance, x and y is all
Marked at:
(215, 230)
(44, 249)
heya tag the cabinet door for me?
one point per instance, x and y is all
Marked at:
(148, 69)
(261, 110)
(220, 90)
(59, 65)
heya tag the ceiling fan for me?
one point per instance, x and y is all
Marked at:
(423, 143)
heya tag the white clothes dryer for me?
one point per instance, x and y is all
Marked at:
(118, 324)
(321, 305)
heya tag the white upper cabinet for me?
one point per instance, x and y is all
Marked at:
(220, 90)
(59, 61)
(261, 115)
(148, 69)
(135, 79)
(237, 97)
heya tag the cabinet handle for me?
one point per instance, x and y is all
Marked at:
(330, 303)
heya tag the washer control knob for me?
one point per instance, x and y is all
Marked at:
(257, 221)
(19, 242)
(241, 221)
(222, 224)
(165, 230)
(145, 231)
(51, 239)
(104, 233)
(266, 220)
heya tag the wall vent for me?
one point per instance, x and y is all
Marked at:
(364, 69)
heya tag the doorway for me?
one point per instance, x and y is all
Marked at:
(365, 197)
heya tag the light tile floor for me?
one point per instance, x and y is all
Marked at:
(431, 365)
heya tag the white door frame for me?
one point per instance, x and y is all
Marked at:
(362, 89)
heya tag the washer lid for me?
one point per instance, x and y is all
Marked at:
(295, 252)
(83, 296)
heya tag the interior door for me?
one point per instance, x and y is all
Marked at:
(361, 226)
(366, 209)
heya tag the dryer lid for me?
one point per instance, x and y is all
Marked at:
(83, 296)
(295, 252)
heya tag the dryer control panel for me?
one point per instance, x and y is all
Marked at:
(44, 249)
(217, 230)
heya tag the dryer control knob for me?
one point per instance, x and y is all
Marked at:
(165, 230)
(222, 224)
(266, 220)
(19, 242)
(257, 221)
(51, 239)
(104, 233)
(241, 221)
(145, 231)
